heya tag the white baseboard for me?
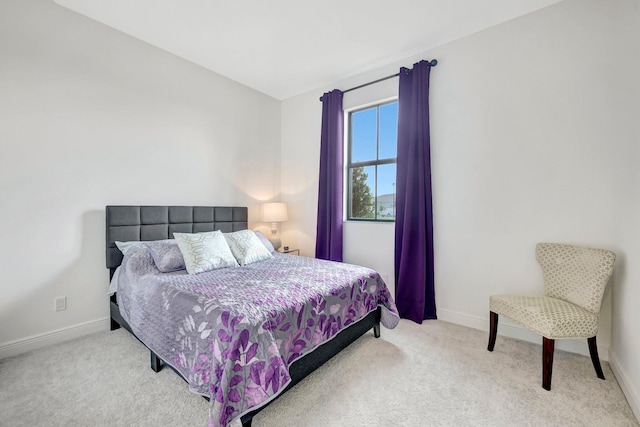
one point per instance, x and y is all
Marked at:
(512, 330)
(630, 392)
(19, 346)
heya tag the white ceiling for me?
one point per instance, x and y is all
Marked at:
(287, 47)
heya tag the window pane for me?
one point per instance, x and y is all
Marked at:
(388, 130)
(363, 192)
(386, 200)
(363, 135)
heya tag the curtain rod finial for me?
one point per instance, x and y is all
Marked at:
(433, 62)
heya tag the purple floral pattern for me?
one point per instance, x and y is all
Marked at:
(233, 333)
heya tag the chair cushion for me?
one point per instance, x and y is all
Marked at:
(549, 317)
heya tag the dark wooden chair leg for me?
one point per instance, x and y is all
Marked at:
(547, 362)
(376, 330)
(156, 362)
(593, 351)
(493, 330)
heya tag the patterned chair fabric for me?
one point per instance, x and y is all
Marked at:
(574, 282)
(550, 317)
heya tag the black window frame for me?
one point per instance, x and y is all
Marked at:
(378, 162)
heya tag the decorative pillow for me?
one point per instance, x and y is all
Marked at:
(166, 254)
(247, 247)
(267, 244)
(204, 251)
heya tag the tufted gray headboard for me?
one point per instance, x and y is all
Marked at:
(132, 223)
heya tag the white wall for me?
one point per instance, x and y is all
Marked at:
(625, 339)
(528, 145)
(90, 117)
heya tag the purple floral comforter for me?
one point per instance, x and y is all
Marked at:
(233, 333)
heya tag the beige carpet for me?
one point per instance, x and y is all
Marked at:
(435, 374)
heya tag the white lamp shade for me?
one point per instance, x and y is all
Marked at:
(274, 212)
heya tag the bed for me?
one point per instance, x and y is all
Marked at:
(240, 336)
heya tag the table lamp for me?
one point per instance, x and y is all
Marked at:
(274, 213)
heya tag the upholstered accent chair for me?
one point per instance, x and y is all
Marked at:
(574, 282)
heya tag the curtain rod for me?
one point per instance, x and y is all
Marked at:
(433, 63)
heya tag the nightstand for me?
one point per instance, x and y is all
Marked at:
(291, 251)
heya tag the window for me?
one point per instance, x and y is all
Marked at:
(371, 168)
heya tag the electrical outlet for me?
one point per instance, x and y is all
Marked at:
(61, 303)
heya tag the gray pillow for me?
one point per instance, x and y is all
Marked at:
(166, 254)
(267, 244)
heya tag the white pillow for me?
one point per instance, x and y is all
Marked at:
(125, 246)
(247, 247)
(205, 251)
(113, 285)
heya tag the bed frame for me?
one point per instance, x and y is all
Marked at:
(144, 223)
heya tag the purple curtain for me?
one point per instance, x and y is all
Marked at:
(414, 225)
(329, 229)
